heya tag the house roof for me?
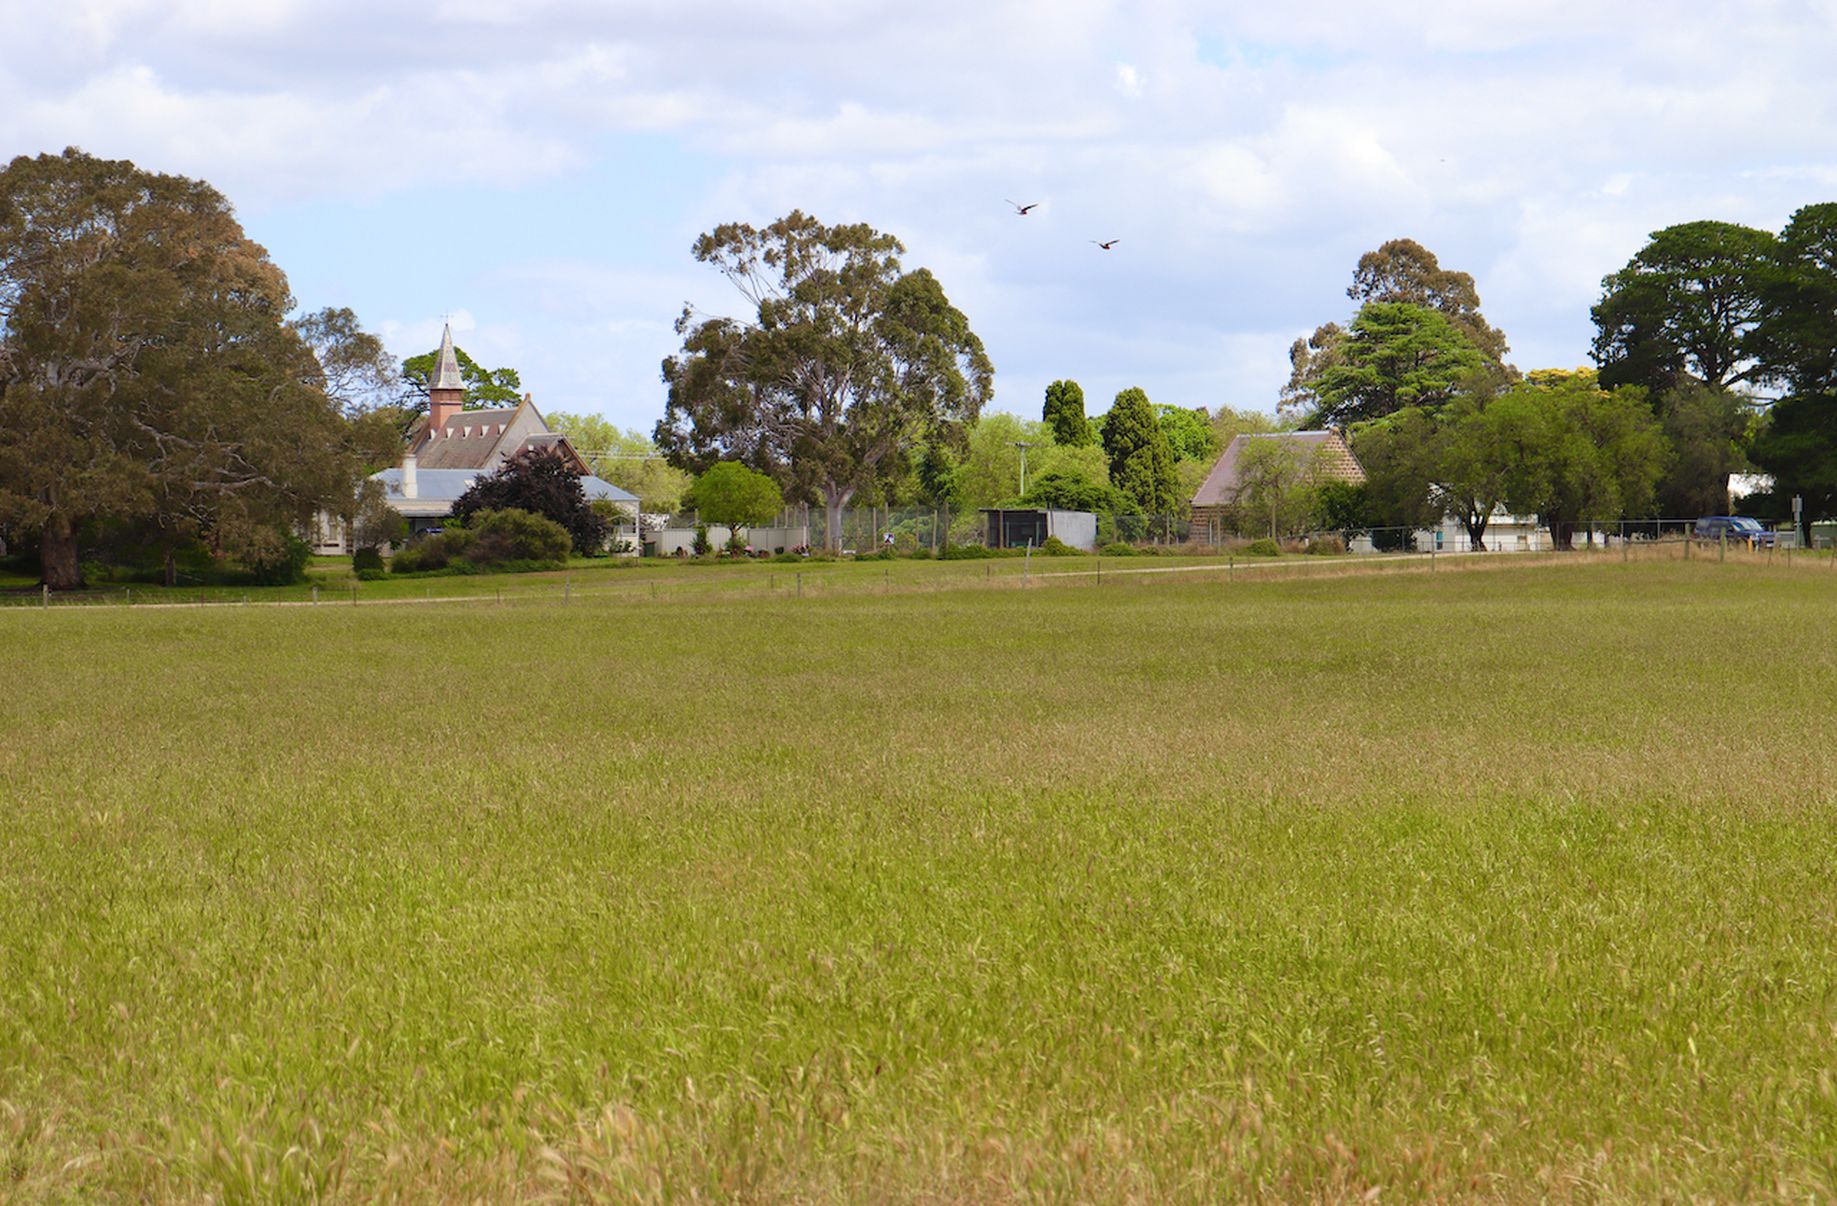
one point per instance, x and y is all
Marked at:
(556, 442)
(478, 439)
(465, 441)
(1332, 457)
(434, 486)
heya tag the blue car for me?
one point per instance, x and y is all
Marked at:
(1739, 529)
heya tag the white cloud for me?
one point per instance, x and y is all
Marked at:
(1245, 155)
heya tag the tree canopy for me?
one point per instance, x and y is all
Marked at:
(541, 482)
(1398, 272)
(732, 495)
(1575, 452)
(147, 369)
(1796, 338)
(356, 369)
(484, 387)
(1189, 433)
(1797, 341)
(1403, 270)
(988, 475)
(1277, 485)
(627, 459)
(1076, 492)
(1141, 462)
(1396, 354)
(1687, 303)
(846, 362)
(1064, 414)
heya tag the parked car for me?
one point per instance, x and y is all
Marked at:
(1739, 529)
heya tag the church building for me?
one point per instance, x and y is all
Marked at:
(452, 447)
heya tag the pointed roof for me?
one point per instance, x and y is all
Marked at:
(446, 364)
(1333, 461)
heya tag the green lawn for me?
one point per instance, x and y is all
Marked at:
(329, 580)
(1514, 883)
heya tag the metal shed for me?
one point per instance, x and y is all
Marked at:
(1029, 527)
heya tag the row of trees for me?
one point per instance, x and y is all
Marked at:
(1734, 328)
(154, 387)
(159, 394)
(1691, 333)
(153, 390)
(850, 380)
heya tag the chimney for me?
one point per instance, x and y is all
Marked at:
(446, 391)
(408, 476)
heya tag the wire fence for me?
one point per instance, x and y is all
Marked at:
(920, 529)
(721, 580)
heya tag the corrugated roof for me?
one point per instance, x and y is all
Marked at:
(446, 485)
(1335, 460)
(597, 488)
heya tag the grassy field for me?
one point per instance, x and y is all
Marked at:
(1517, 883)
(329, 580)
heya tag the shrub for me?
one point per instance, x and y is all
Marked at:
(1265, 547)
(275, 558)
(1327, 546)
(371, 575)
(540, 482)
(1054, 547)
(784, 558)
(511, 535)
(736, 496)
(1117, 548)
(508, 540)
(736, 543)
(366, 559)
(965, 552)
(701, 546)
(420, 556)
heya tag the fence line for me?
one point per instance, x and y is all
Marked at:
(913, 529)
(814, 580)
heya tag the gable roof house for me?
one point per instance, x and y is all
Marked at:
(1325, 452)
(452, 437)
(452, 447)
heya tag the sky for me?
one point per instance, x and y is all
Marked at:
(537, 170)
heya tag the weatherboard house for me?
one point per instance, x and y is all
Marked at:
(452, 447)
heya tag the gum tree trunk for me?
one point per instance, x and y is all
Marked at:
(57, 555)
(1476, 531)
(835, 498)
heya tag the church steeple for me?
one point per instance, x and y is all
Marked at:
(446, 391)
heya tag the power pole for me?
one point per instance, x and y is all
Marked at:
(1023, 446)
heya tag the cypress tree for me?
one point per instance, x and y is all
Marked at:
(1141, 462)
(1064, 413)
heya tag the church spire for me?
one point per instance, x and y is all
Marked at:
(446, 364)
(446, 390)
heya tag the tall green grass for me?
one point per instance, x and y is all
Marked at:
(1517, 884)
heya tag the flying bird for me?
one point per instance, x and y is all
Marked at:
(1020, 209)
(1106, 244)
